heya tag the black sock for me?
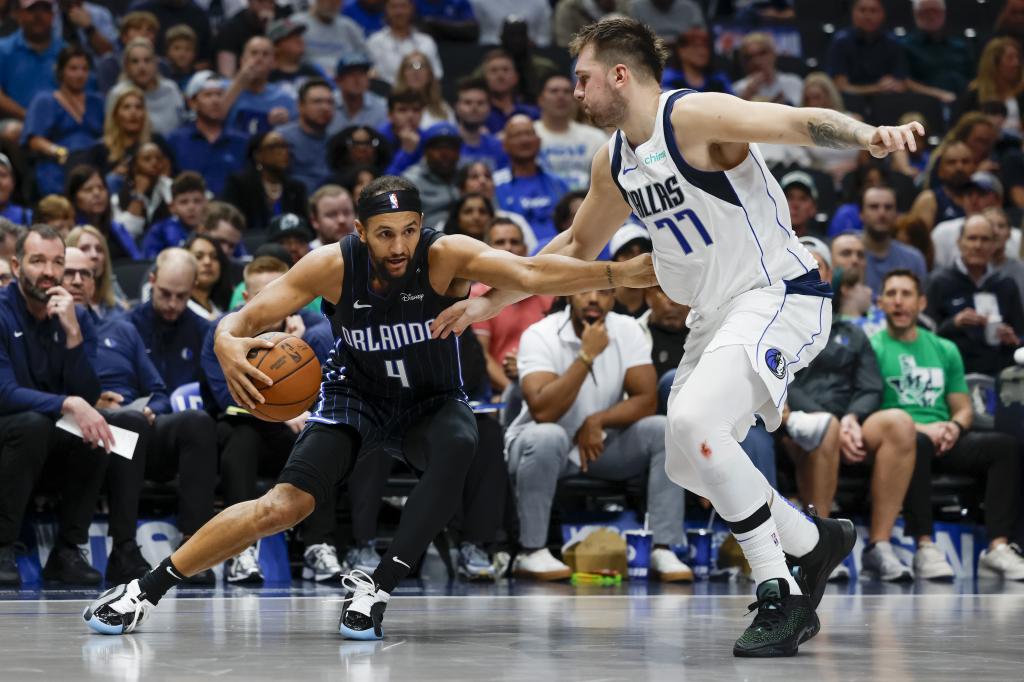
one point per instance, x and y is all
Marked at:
(390, 572)
(159, 580)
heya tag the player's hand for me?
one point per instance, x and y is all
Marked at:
(298, 423)
(969, 317)
(458, 316)
(888, 139)
(635, 273)
(590, 439)
(594, 339)
(109, 400)
(232, 352)
(851, 440)
(95, 430)
(294, 325)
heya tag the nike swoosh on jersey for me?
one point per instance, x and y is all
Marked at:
(630, 170)
(357, 305)
(18, 335)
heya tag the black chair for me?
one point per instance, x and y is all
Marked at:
(130, 274)
(887, 109)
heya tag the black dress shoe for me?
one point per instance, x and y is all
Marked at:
(67, 565)
(9, 575)
(126, 563)
(205, 578)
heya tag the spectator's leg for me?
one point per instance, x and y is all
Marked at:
(186, 442)
(891, 437)
(243, 443)
(365, 490)
(84, 470)
(125, 476)
(817, 471)
(513, 399)
(665, 389)
(760, 448)
(483, 496)
(25, 445)
(917, 504)
(537, 458)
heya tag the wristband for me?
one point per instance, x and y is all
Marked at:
(960, 427)
(585, 358)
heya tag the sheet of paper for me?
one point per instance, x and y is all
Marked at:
(137, 404)
(124, 440)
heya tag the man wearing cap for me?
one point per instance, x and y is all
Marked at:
(629, 241)
(983, 191)
(357, 106)
(205, 145)
(291, 68)
(307, 135)
(28, 58)
(434, 175)
(329, 33)
(802, 197)
(292, 232)
(236, 32)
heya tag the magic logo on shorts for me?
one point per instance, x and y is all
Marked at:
(776, 362)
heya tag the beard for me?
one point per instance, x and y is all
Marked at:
(380, 270)
(610, 115)
(33, 290)
(957, 181)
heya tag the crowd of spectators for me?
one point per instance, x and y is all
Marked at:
(162, 161)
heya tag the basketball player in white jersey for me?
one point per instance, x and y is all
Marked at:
(687, 165)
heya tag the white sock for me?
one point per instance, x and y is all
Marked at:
(763, 550)
(798, 533)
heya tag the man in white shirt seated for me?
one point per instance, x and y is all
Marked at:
(566, 147)
(574, 367)
(763, 83)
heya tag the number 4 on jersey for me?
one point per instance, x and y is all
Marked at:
(675, 225)
(396, 370)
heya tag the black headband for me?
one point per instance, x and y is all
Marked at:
(390, 202)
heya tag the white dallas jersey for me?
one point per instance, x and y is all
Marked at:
(715, 234)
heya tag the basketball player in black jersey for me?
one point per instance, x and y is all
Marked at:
(386, 385)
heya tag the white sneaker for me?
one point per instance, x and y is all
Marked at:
(320, 563)
(807, 429)
(666, 567)
(1004, 560)
(244, 568)
(119, 610)
(881, 562)
(931, 564)
(540, 565)
(839, 574)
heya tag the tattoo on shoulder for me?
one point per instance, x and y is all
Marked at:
(832, 134)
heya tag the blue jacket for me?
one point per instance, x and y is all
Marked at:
(164, 234)
(36, 371)
(173, 347)
(123, 366)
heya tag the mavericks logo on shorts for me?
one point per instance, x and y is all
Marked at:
(776, 362)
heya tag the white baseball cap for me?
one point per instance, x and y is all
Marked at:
(625, 234)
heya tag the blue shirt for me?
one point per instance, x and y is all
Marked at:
(900, 256)
(37, 373)
(249, 114)
(19, 215)
(448, 10)
(497, 119)
(371, 22)
(534, 197)
(674, 79)
(122, 365)
(173, 347)
(46, 118)
(213, 160)
(308, 156)
(24, 73)
(164, 234)
(490, 151)
(865, 58)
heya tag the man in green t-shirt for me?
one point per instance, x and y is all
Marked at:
(924, 375)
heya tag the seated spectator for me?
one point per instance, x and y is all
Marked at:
(55, 211)
(362, 146)
(293, 233)
(448, 19)
(912, 163)
(802, 197)
(265, 189)
(9, 233)
(170, 13)
(291, 68)
(628, 241)
(234, 33)
(356, 178)
(250, 447)
(1000, 79)
(763, 83)
(145, 196)
(878, 214)
(566, 147)
(307, 135)
(492, 14)
(982, 191)
(332, 214)
(187, 205)
(575, 366)
(211, 292)
(19, 215)
(6, 277)
(572, 15)
(938, 63)
(47, 352)
(256, 105)
(476, 177)
(525, 186)
(664, 325)
(357, 106)
(834, 427)
(206, 145)
(975, 307)
(472, 107)
(108, 300)
(923, 375)
(28, 58)
(225, 224)
(499, 336)
(416, 74)
(1010, 21)
(854, 300)
(669, 18)
(87, 192)
(88, 25)
(819, 91)
(533, 68)
(180, 55)
(328, 32)
(164, 103)
(470, 215)
(63, 121)
(693, 69)
(873, 173)
(400, 37)
(864, 59)
(954, 164)
(980, 132)
(1006, 253)
(434, 175)
(368, 14)
(502, 79)
(131, 26)
(168, 442)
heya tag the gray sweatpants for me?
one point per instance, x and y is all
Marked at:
(539, 456)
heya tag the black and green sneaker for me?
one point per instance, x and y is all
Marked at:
(782, 622)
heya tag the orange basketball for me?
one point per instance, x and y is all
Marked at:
(292, 365)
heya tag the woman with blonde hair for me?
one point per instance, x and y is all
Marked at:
(820, 91)
(416, 74)
(163, 98)
(1000, 79)
(108, 301)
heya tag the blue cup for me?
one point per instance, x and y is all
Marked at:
(638, 553)
(699, 546)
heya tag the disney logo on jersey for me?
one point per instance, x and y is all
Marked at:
(776, 362)
(656, 197)
(411, 297)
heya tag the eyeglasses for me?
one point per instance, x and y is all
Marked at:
(415, 65)
(372, 142)
(70, 274)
